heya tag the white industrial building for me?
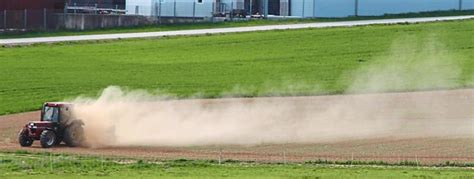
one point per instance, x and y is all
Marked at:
(295, 8)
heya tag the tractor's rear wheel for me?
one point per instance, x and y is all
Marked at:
(58, 141)
(48, 139)
(74, 135)
(24, 139)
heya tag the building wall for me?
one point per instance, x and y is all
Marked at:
(31, 4)
(377, 7)
(344, 8)
(233, 4)
(120, 4)
(299, 8)
(184, 8)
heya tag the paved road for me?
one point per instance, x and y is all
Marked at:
(23, 41)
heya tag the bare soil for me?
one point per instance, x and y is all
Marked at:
(459, 105)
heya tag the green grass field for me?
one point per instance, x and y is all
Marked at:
(154, 28)
(45, 165)
(292, 62)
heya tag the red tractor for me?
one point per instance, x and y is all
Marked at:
(57, 124)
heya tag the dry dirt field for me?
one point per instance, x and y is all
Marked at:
(439, 127)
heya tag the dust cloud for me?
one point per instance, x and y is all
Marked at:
(409, 66)
(120, 117)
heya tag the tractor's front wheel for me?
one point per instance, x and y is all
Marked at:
(48, 139)
(24, 139)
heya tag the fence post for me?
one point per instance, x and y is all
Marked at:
(44, 19)
(51, 162)
(416, 160)
(302, 11)
(5, 19)
(213, 11)
(265, 8)
(356, 8)
(352, 157)
(159, 11)
(119, 19)
(194, 11)
(95, 5)
(25, 19)
(136, 10)
(220, 156)
(174, 9)
(75, 6)
(155, 15)
(66, 7)
(460, 5)
(250, 11)
(314, 8)
(231, 11)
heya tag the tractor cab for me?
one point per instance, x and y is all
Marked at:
(56, 124)
(50, 113)
(56, 112)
